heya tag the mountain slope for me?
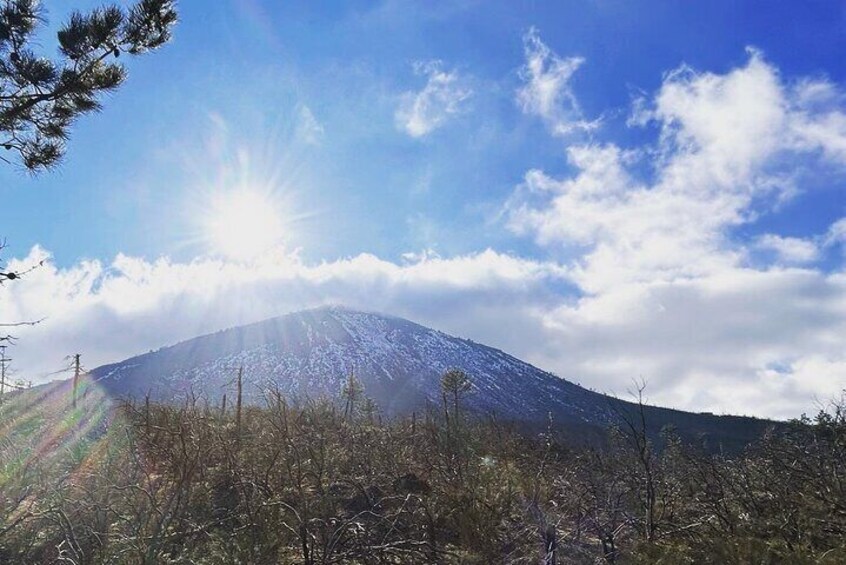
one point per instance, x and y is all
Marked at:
(311, 353)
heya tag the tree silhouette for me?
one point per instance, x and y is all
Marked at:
(454, 385)
(352, 393)
(40, 98)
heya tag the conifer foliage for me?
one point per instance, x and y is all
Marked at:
(40, 97)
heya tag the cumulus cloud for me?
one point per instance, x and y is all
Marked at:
(836, 233)
(111, 311)
(667, 290)
(738, 341)
(729, 151)
(745, 341)
(645, 276)
(421, 112)
(546, 92)
(790, 250)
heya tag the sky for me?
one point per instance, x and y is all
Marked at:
(612, 191)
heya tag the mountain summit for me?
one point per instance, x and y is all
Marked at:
(311, 354)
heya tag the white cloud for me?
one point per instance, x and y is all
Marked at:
(308, 128)
(790, 250)
(728, 152)
(667, 288)
(768, 343)
(712, 342)
(420, 113)
(836, 233)
(547, 92)
(648, 277)
(110, 312)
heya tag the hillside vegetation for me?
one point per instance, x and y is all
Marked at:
(330, 481)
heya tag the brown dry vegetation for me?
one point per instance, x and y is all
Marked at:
(329, 482)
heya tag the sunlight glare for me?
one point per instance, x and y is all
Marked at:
(243, 225)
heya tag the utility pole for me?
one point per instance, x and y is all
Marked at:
(4, 376)
(3, 361)
(77, 370)
(238, 403)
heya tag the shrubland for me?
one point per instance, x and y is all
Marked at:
(331, 481)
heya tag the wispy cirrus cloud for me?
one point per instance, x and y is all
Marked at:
(546, 91)
(443, 96)
(308, 128)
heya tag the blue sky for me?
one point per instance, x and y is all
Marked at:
(252, 64)
(671, 157)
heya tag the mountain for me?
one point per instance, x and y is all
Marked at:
(311, 354)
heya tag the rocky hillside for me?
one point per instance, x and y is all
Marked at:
(311, 353)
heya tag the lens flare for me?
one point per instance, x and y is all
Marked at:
(243, 224)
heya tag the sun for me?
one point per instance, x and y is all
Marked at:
(243, 224)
